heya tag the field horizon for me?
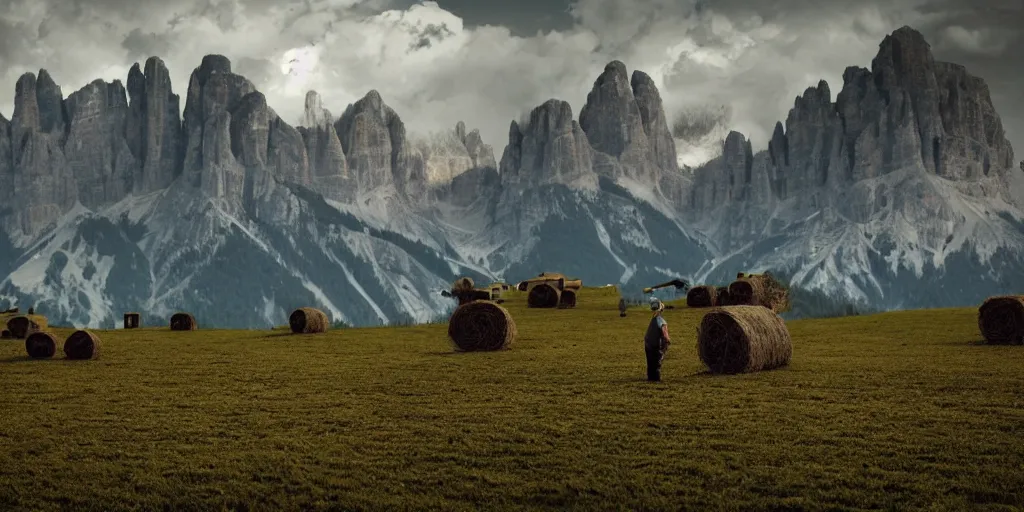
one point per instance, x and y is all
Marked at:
(897, 410)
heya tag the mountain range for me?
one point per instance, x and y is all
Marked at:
(900, 192)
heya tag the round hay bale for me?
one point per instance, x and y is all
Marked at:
(481, 326)
(183, 322)
(723, 296)
(740, 339)
(6, 335)
(567, 299)
(40, 345)
(82, 345)
(463, 284)
(308, 321)
(543, 295)
(523, 286)
(747, 291)
(21, 326)
(702, 297)
(1001, 320)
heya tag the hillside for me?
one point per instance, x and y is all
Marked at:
(901, 192)
(897, 410)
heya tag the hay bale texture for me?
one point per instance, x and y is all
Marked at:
(544, 295)
(308, 321)
(183, 322)
(82, 345)
(481, 326)
(22, 326)
(702, 297)
(1001, 320)
(41, 345)
(567, 299)
(742, 339)
(759, 290)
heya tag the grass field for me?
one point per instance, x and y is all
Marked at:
(893, 411)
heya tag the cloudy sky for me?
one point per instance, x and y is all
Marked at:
(489, 61)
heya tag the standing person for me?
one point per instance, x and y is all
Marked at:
(622, 306)
(656, 341)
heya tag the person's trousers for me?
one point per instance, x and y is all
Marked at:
(654, 357)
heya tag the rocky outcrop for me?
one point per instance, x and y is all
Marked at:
(379, 155)
(154, 130)
(213, 92)
(448, 154)
(624, 119)
(43, 184)
(6, 161)
(481, 155)
(328, 166)
(908, 113)
(551, 148)
(96, 150)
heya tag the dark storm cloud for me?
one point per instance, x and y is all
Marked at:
(521, 17)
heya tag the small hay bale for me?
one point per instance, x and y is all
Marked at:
(6, 335)
(741, 339)
(22, 326)
(543, 295)
(746, 291)
(702, 297)
(183, 322)
(462, 284)
(1001, 320)
(40, 345)
(523, 286)
(308, 321)
(82, 345)
(567, 299)
(481, 326)
(724, 299)
(132, 320)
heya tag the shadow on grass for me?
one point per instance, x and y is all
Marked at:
(22, 359)
(983, 343)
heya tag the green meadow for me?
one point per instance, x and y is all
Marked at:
(895, 411)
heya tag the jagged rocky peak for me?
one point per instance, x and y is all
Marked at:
(611, 117)
(551, 148)
(327, 162)
(315, 115)
(96, 149)
(449, 153)
(378, 151)
(213, 89)
(6, 160)
(38, 105)
(155, 134)
(655, 123)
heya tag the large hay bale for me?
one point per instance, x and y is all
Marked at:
(740, 339)
(22, 326)
(132, 320)
(702, 297)
(40, 345)
(308, 321)
(1001, 320)
(183, 322)
(567, 299)
(82, 345)
(543, 295)
(481, 326)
